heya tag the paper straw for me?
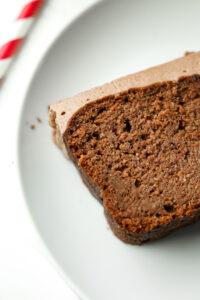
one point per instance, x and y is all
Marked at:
(19, 30)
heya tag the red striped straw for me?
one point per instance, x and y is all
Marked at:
(20, 28)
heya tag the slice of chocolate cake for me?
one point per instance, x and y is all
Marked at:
(136, 143)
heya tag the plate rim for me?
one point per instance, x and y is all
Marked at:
(48, 255)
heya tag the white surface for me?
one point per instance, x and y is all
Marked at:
(115, 38)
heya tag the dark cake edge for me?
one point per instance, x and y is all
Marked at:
(126, 236)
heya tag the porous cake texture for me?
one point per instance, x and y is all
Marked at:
(136, 143)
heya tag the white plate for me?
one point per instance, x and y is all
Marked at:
(112, 39)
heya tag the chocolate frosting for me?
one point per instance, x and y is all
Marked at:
(60, 112)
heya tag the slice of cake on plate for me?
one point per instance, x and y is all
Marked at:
(136, 143)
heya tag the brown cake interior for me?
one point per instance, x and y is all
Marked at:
(142, 149)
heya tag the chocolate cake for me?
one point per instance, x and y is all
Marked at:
(136, 143)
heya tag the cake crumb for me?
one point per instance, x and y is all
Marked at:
(32, 127)
(39, 120)
(188, 53)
